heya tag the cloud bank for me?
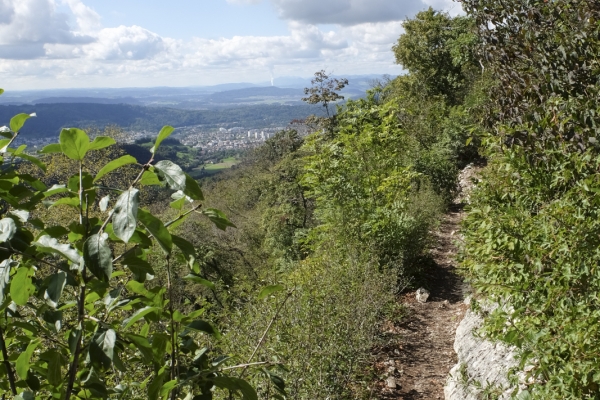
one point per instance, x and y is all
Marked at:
(41, 45)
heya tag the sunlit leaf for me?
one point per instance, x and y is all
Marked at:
(125, 215)
(74, 143)
(114, 164)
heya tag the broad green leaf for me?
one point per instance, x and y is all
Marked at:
(17, 122)
(25, 395)
(150, 178)
(126, 214)
(139, 314)
(164, 133)
(3, 145)
(53, 319)
(192, 188)
(21, 287)
(21, 215)
(48, 244)
(267, 290)
(1, 91)
(155, 386)
(171, 173)
(203, 326)
(8, 228)
(98, 256)
(4, 276)
(74, 143)
(218, 218)
(54, 368)
(22, 364)
(114, 164)
(235, 385)
(101, 142)
(143, 346)
(188, 249)
(167, 387)
(142, 270)
(177, 204)
(51, 148)
(200, 280)
(102, 347)
(55, 288)
(157, 229)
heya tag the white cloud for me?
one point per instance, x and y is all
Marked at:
(88, 20)
(33, 24)
(347, 12)
(38, 45)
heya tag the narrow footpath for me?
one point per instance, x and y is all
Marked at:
(417, 357)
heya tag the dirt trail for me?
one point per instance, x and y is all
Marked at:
(420, 351)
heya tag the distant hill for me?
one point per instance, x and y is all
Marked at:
(94, 100)
(51, 118)
(255, 94)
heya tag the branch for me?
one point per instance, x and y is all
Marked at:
(9, 370)
(262, 339)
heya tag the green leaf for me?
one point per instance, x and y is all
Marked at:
(102, 347)
(8, 228)
(164, 133)
(157, 229)
(103, 204)
(126, 213)
(188, 249)
(143, 346)
(218, 218)
(26, 395)
(267, 290)
(17, 122)
(54, 368)
(48, 244)
(155, 386)
(139, 314)
(55, 288)
(140, 268)
(171, 173)
(98, 257)
(200, 280)
(4, 276)
(192, 188)
(101, 142)
(235, 385)
(167, 387)
(1, 91)
(74, 143)
(114, 164)
(203, 326)
(149, 178)
(21, 287)
(51, 148)
(35, 161)
(22, 364)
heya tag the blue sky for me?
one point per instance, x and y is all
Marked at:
(123, 43)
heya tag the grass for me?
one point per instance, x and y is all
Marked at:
(227, 163)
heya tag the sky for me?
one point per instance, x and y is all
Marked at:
(46, 44)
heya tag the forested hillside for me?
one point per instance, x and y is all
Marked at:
(122, 277)
(51, 118)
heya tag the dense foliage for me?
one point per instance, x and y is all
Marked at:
(88, 308)
(332, 225)
(532, 234)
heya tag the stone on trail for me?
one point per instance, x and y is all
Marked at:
(422, 295)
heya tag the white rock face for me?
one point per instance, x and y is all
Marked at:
(481, 364)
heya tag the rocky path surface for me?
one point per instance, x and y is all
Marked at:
(419, 351)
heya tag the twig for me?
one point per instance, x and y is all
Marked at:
(262, 339)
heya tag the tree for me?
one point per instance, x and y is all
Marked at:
(80, 316)
(438, 51)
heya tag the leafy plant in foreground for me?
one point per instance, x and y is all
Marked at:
(79, 317)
